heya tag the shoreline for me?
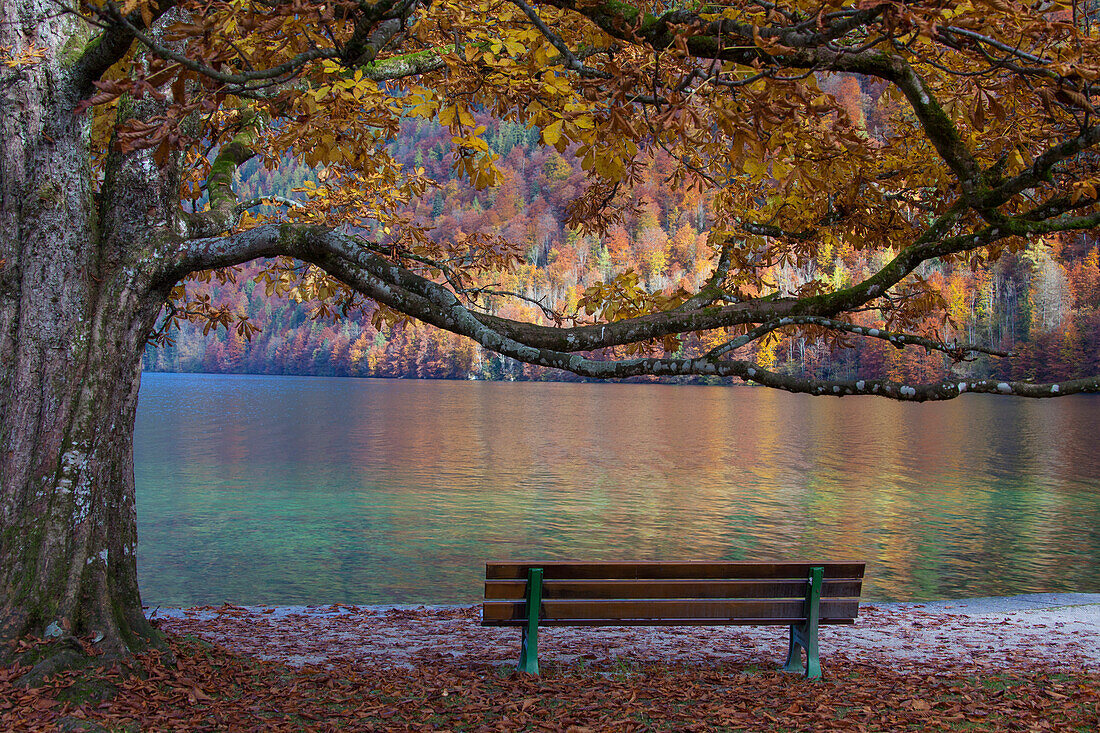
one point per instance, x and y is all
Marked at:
(983, 604)
(996, 604)
(1049, 631)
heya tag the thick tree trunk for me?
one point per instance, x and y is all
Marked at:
(76, 304)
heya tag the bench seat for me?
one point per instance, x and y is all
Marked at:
(802, 595)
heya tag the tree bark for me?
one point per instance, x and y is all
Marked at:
(76, 303)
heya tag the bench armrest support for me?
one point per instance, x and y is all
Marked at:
(804, 635)
(529, 644)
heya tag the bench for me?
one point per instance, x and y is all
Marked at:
(802, 595)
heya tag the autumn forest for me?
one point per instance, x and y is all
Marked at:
(1041, 303)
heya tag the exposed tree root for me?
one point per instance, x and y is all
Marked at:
(37, 660)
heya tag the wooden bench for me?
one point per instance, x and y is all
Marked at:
(802, 595)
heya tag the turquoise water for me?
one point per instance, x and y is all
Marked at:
(297, 490)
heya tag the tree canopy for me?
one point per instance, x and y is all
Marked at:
(986, 145)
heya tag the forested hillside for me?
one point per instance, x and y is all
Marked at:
(1041, 303)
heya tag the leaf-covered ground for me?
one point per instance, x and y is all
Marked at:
(910, 638)
(350, 668)
(211, 688)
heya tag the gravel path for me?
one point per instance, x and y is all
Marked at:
(1054, 631)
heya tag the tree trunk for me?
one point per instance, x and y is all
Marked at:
(76, 304)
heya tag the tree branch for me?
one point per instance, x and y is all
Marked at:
(932, 391)
(107, 49)
(224, 210)
(712, 291)
(241, 81)
(956, 351)
(569, 59)
(344, 258)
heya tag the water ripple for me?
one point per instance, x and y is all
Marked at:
(307, 490)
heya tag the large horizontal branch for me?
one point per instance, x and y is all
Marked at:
(722, 38)
(1061, 224)
(934, 243)
(338, 254)
(344, 258)
(404, 65)
(932, 391)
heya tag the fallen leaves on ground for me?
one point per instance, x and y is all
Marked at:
(909, 639)
(211, 688)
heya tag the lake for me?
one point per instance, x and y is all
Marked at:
(298, 490)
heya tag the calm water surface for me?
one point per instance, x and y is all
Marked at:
(296, 490)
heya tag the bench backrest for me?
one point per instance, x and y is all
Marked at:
(670, 593)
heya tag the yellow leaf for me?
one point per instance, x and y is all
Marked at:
(1016, 159)
(551, 134)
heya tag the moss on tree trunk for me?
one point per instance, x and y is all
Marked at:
(76, 303)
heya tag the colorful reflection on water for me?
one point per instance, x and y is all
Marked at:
(296, 490)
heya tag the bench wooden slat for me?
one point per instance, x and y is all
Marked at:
(669, 622)
(611, 589)
(668, 570)
(786, 611)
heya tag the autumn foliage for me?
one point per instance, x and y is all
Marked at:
(833, 181)
(1041, 304)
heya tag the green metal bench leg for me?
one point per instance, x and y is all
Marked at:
(794, 654)
(804, 636)
(529, 644)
